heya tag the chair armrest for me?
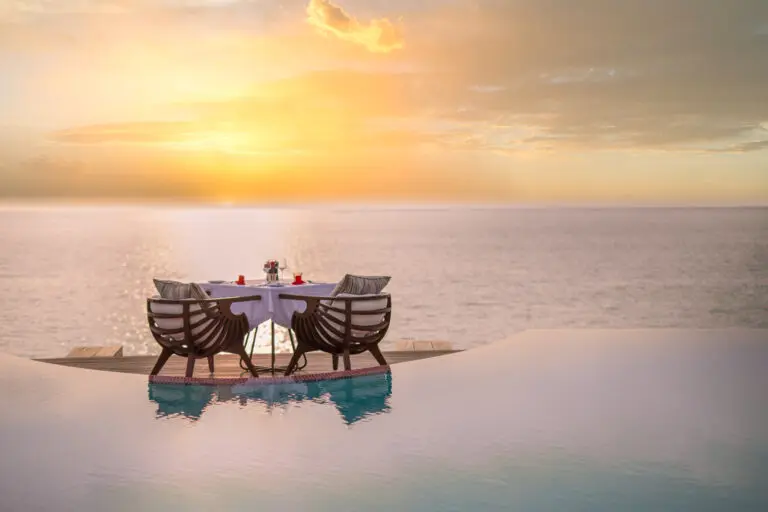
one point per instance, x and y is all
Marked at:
(211, 299)
(224, 303)
(311, 301)
(305, 298)
(247, 298)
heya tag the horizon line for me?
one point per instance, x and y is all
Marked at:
(23, 203)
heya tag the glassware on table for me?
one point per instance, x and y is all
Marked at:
(297, 277)
(240, 280)
(282, 265)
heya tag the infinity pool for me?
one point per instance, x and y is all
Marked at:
(547, 420)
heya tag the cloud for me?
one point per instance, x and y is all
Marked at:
(545, 80)
(244, 137)
(324, 112)
(18, 9)
(152, 132)
(636, 74)
(744, 147)
(99, 175)
(596, 74)
(49, 7)
(379, 36)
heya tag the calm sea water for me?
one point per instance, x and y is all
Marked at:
(79, 275)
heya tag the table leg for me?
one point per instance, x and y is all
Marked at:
(272, 326)
(272, 368)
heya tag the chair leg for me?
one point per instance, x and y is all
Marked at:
(240, 351)
(294, 360)
(335, 361)
(347, 362)
(210, 363)
(164, 355)
(374, 350)
(190, 366)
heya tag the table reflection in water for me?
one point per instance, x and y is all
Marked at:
(355, 398)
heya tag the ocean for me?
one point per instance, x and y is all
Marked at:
(79, 275)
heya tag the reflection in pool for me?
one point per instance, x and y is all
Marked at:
(355, 399)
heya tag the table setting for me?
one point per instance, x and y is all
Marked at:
(271, 307)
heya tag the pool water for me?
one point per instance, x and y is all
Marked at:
(547, 420)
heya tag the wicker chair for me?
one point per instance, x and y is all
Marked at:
(197, 329)
(342, 326)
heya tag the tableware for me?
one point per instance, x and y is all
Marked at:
(218, 281)
(241, 280)
(297, 278)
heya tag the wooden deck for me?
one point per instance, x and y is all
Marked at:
(227, 365)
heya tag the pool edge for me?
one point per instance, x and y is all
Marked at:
(310, 377)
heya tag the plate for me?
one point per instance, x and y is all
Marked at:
(217, 282)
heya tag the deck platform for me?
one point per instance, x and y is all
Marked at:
(227, 365)
(88, 351)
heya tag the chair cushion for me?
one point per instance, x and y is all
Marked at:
(175, 290)
(361, 285)
(358, 305)
(195, 314)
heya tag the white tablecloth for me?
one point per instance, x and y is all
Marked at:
(271, 306)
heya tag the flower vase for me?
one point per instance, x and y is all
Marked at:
(270, 269)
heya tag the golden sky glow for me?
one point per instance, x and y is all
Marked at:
(527, 100)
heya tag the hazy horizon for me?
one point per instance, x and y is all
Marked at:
(304, 101)
(25, 203)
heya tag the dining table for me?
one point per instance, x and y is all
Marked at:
(270, 308)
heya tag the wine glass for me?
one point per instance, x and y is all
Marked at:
(282, 265)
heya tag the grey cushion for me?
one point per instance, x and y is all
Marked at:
(175, 290)
(361, 285)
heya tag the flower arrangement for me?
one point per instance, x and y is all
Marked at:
(271, 269)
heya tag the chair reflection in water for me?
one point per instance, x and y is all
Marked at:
(355, 398)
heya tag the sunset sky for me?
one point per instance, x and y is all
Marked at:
(293, 100)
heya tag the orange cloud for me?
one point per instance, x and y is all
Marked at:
(125, 132)
(379, 36)
(323, 112)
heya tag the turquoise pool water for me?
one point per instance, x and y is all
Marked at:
(550, 420)
(355, 398)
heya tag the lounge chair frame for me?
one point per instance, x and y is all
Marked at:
(317, 329)
(222, 331)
